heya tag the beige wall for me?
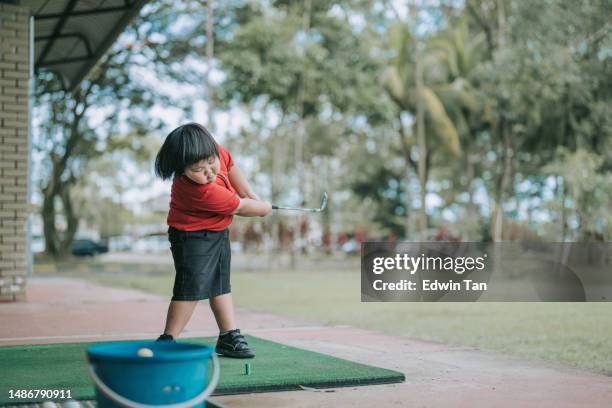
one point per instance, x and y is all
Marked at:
(14, 74)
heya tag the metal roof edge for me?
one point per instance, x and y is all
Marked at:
(107, 43)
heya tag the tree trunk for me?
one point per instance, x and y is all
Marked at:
(497, 220)
(420, 129)
(407, 178)
(422, 170)
(502, 185)
(209, 63)
(48, 217)
(563, 210)
(326, 216)
(58, 244)
(299, 140)
(407, 204)
(54, 244)
(472, 208)
(278, 168)
(72, 219)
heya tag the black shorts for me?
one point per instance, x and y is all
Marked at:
(202, 262)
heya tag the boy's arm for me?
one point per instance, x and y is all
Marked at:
(240, 184)
(250, 203)
(249, 207)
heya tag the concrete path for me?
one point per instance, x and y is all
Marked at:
(65, 310)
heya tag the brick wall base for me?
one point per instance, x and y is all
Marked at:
(14, 77)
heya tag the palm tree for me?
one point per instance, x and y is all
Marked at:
(455, 52)
(400, 82)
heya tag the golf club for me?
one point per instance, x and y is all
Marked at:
(321, 208)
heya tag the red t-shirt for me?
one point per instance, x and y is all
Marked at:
(209, 206)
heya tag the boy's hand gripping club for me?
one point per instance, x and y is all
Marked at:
(321, 208)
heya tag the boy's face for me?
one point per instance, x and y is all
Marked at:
(204, 171)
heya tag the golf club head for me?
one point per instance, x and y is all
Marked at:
(323, 202)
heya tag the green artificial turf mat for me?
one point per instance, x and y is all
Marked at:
(277, 367)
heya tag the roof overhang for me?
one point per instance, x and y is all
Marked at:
(72, 35)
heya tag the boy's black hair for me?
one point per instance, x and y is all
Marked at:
(185, 145)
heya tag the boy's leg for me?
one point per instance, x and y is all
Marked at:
(230, 342)
(179, 313)
(223, 309)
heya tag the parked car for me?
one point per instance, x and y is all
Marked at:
(88, 247)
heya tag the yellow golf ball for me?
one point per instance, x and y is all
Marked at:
(145, 352)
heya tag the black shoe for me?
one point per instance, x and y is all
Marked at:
(165, 338)
(233, 344)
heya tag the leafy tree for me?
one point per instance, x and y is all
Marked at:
(400, 84)
(589, 189)
(537, 84)
(108, 110)
(304, 72)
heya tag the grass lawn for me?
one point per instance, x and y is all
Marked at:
(576, 334)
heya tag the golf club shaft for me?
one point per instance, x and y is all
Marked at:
(279, 207)
(321, 208)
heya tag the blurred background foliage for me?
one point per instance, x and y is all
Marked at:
(325, 95)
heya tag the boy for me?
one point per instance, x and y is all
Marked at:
(207, 190)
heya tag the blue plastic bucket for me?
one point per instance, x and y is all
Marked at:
(138, 374)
